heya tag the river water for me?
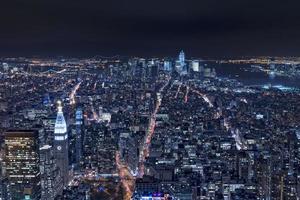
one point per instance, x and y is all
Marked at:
(242, 73)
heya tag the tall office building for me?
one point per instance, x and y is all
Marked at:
(5, 67)
(195, 66)
(48, 125)
(178, 67)
(61, 145)
(180, 64)
(51, 181)
(22, 164)
(181, 58)
(79, 119)
(167, 66)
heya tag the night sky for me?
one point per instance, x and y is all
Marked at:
(203, 28)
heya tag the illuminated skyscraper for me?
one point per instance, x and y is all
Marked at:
(195, 66)
(182, 58)
(178, 67)
(180, 64)
(5, 67)
(61, 144)
(167, 66)
(47, 168)
(48, 125)
(22, 164)
(79, 119)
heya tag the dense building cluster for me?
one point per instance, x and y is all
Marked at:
(135, 128)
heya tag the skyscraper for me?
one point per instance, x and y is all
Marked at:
(180, 65)
(48, 125)
(195, 66)
(51, 182)
(182, 58)
(79, 119)
(61, 144)
(22, 164)
(167, 66)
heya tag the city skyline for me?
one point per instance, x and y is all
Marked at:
(150, 100)
(149, 128)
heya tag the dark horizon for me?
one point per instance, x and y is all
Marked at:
(201, 28)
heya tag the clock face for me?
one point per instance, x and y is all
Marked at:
(58, 148)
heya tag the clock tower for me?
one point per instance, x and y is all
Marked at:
(61, 144)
